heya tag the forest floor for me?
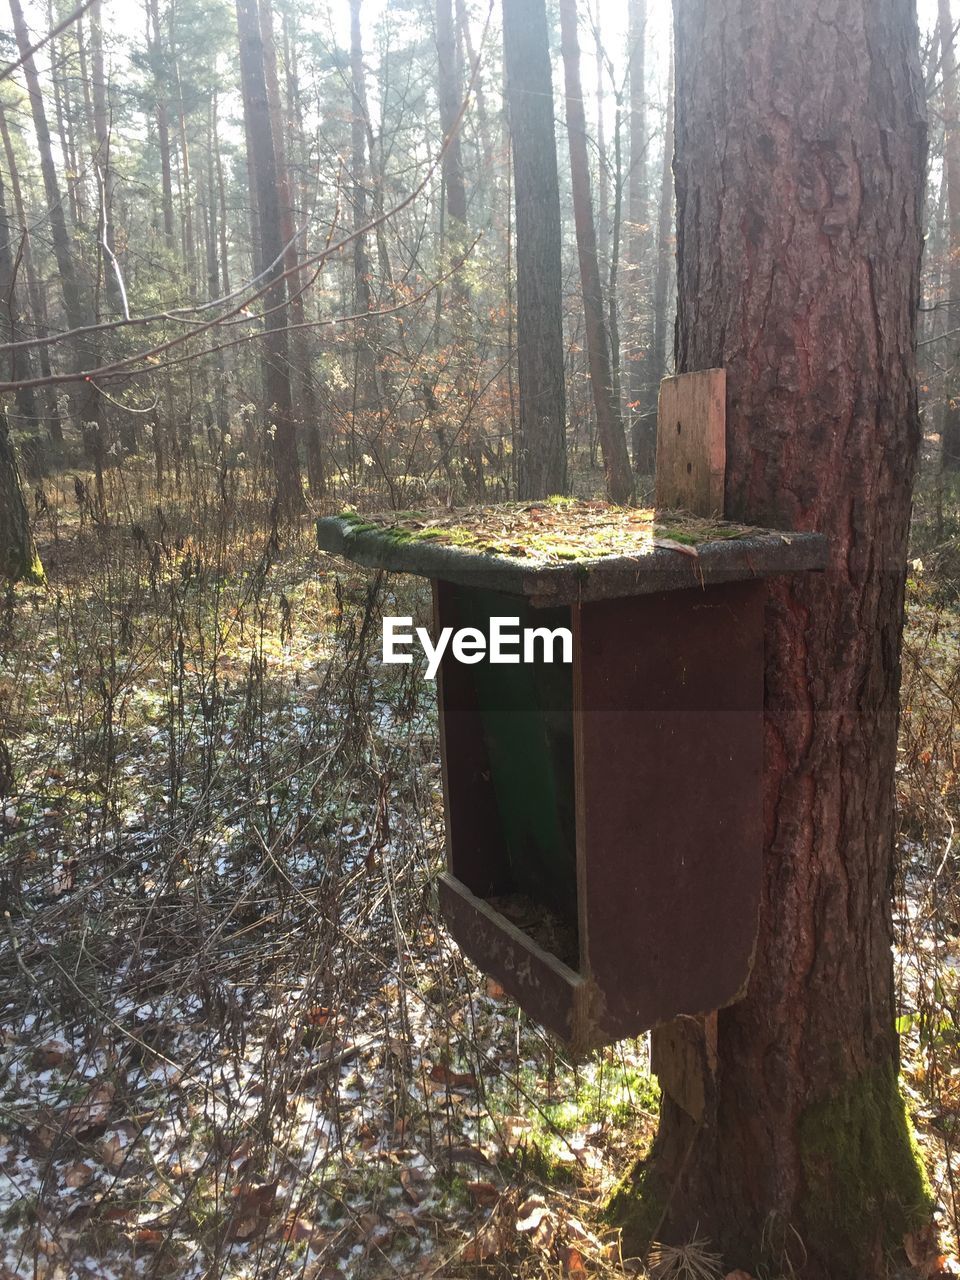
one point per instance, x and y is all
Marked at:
(235, 1039)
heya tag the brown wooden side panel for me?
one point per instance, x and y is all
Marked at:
(669, 758)
(476, 853)
(542, 985)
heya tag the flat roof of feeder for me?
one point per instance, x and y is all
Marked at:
(562, 550)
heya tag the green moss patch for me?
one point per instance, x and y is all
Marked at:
(553, 531)
(866, 1186)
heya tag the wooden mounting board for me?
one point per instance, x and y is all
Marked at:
(692, 443)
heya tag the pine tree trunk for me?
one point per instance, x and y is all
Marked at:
(34, 293)
(664, 268)
(19, 561)
(87, 400)
(798, 262)
(278, 409)
(160, 80)
(306, 414)
(16, 364)
(950, 423)
(542, 465)
(642, 429)
(613, 442)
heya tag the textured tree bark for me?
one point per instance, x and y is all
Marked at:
(34, 293)
(449, 95)
(303, 391)
(643, 431)
(19, 561)
(664, 267)
(950, 422)
(542, 464)
(278, 409)
(157, 66)
(613, 442)
(800, 144)
(106, 179)
(87, 399)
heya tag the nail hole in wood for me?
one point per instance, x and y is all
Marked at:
(689, 468)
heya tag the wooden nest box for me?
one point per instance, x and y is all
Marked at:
(604, 816)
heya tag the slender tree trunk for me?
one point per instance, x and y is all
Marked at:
(603, 188)
(613, 442)
(34, 293)
(798, 263)
(213, 242)
(19, 561)
(256, 111)
(542, 465)
(950, 424)
(105, 178)
(186, 184)
(62, 112)
(160, 81)
(306, 413)
(221, 194)
(643, 430)
(483, 115)
(664, 266)
(454, 187)
(88, 397)
(11, 324)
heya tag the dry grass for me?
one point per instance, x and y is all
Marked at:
(234, 1039)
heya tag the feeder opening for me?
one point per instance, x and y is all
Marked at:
(511, 795)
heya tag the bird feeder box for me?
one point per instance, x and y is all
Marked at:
(603, 815)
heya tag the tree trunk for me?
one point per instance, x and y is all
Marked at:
(306, 413)
(950, 423)
(798, 262)
(105, 179)
(613, 443)
(19, 561)
(542, 465)
(664, 267)
(34, 293)
(11, 325)
(88, 406)
(643, 430)
(160, 80)
(454, 187)
(256, 110)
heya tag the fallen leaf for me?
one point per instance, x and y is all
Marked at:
(535, 1219)
(90, 1112)
(683, 547)
(416, 1185)
(53, 1053)
(78, 1175)
(254, 1200)
(467, 1155)
(113, 1152)
(453, 1079)
(148, 1237)
(483, 1193)
(572, 1262)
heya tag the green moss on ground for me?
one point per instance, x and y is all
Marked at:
(863, 1171)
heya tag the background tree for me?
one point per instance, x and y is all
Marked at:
(542, 467)
(613, 443)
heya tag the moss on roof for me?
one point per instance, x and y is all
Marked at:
(553, 531)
